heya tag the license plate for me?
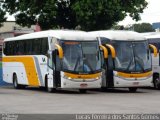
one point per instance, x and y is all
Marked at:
(135, 83)
(83, 85)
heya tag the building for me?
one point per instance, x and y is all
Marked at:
(156, 25)
(11, 29)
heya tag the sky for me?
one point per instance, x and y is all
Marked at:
(151, 14)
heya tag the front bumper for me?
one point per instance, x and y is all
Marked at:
(80, 83)
(133, 82)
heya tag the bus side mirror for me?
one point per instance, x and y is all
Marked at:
(60, 51)
(155, 52)
(112, 49)
(105, 51)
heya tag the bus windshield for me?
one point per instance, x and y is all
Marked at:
(81, 57)
(132, 56)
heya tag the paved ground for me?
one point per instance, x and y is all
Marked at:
(34, 100)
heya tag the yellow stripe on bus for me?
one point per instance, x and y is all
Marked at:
(29, 67)
(83, 76)
(133, 75)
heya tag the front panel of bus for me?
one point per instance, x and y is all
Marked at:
(132, 65)
(80, 66)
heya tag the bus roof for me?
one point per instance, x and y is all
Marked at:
(120, 35)
(152, 36)
(150, 33)
(59, 34)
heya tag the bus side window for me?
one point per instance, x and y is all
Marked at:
(31, 52)
(38, 48)
(29, 47)
(5, 48)
(11, 48)
(20, 50)
(44, 46)
(35, 46)
(8, 48)
(50, 62)
(102, 59)
(51, 59)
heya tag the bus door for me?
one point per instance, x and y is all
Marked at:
(56, 71)
(110, 66)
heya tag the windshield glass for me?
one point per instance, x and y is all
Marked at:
(81, 57)
(132, 56)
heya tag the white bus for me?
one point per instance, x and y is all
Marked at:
(53, 59)
(129, 61)
(155, 40)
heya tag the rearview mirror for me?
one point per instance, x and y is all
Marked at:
(155, 51)
(60, 51)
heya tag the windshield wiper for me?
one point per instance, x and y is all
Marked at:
(130, 63)
(140, 61)
(87, 64)
(78, 60)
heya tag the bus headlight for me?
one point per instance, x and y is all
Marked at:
(66, 77)
(115, 73)
(97, 78)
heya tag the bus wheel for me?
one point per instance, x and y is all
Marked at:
(156, 84)
(132, 90)
(104, 89)
(15, 82)
(82, 90)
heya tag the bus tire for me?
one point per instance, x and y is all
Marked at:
(156, 82)
(132, 89)
(48, 89)
(104, 89)
(82, 90)
(15, 83)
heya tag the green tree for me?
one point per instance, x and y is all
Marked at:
(88, 14)
(118, 27)
(2, 15)
(143, 27)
